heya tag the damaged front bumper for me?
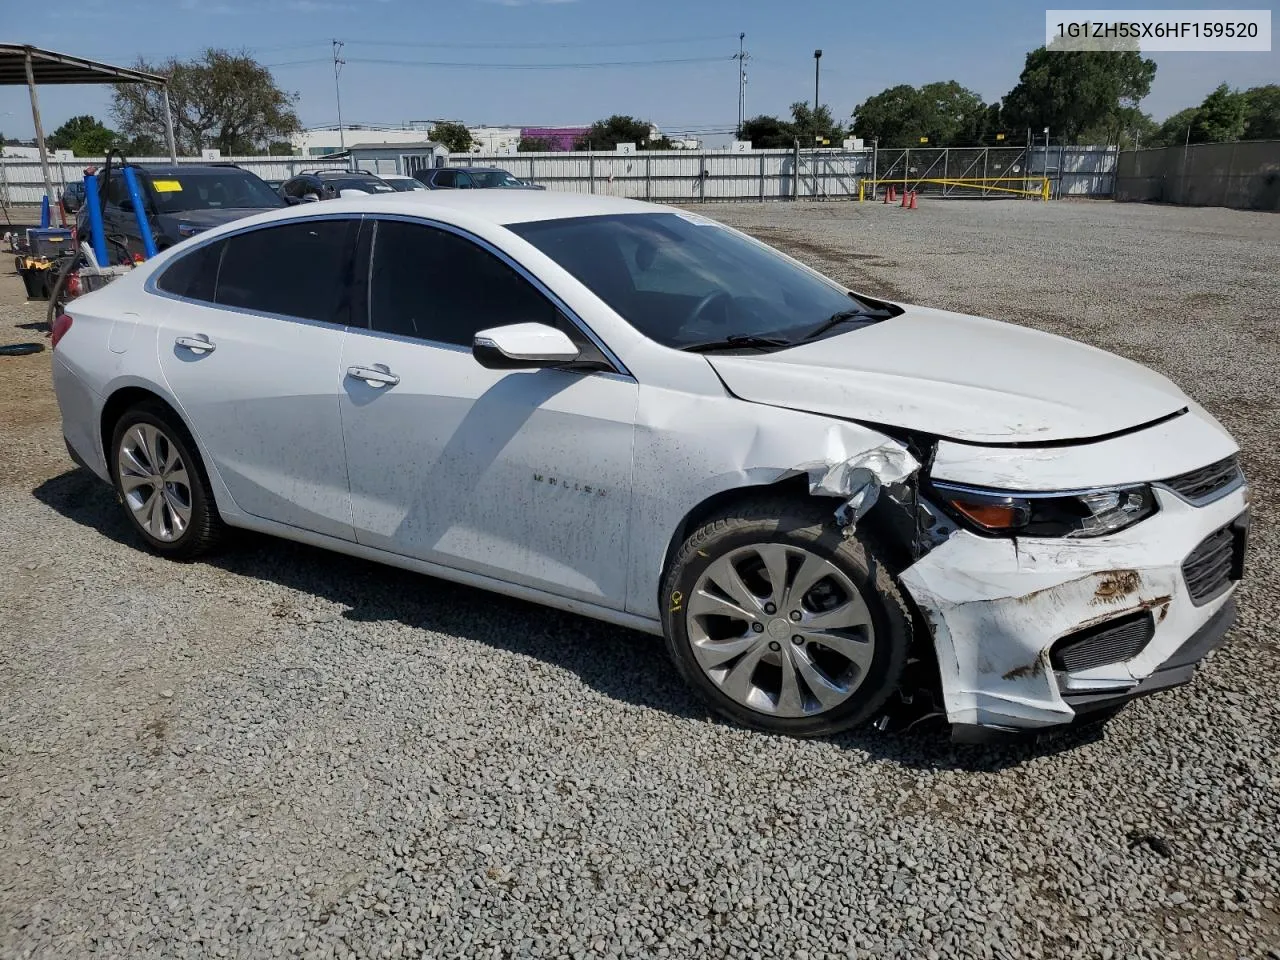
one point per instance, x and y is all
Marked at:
(1035, 633)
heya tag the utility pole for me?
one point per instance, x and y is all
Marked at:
(742, 84)
(337, 91)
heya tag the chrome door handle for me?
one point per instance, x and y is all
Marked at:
(198, 345)
(373, 376)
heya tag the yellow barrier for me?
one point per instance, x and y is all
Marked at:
(985, 184)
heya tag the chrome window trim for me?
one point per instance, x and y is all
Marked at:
(583, 328)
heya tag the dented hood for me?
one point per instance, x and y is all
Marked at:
(957, 376)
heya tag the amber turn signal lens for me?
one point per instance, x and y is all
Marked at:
(993, 516)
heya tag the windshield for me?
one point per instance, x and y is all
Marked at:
(367, 184)
(494, 179)
(211, 190)
(685, 281)
(404, 184)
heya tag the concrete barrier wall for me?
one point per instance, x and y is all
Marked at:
(1245, 176)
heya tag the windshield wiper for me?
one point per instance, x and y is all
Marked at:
(736, 340)
(839, 317)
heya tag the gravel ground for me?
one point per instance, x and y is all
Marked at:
(287, 753)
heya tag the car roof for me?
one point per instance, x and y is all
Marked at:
(505, 206)
(476, 169)
(172, 169)
(345, 174)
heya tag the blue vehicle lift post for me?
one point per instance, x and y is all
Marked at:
(139, 211)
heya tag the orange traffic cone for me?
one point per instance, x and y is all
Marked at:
(890, 197)
(905, 195)
(912, 205)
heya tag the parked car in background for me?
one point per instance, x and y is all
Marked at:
(819, 497)
(403, 184)
(331, 184)
(181, 201)
(72, 197)
(472, 178)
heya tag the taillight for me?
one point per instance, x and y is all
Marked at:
(60, 328)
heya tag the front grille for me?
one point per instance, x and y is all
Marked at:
(1215, 563)
(1199, 486)
(1112, 642)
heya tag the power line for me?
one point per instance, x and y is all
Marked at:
(527, 45)
(469, 65)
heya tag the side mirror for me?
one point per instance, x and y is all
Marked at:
(523, 346)
(292, 201)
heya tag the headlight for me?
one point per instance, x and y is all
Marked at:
(1092, 513)
(189, 229)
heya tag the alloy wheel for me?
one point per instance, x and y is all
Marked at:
(780, 630)
(154, 482)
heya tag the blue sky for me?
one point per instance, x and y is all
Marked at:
(982, 46)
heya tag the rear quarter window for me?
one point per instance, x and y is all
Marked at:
(194, 275)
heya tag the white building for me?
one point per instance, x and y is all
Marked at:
(321, 141)
(494, 139)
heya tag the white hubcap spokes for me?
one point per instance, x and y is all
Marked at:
(780, 630)
(154, 481)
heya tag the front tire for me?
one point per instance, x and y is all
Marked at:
(782, 623)
(162, 483)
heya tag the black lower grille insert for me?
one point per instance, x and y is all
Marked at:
(1212, 566)
(1112, 642)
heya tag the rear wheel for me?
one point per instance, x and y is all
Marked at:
(162, 483)
(783, 623)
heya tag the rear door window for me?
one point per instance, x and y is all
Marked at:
(299, 269)
(445, 178)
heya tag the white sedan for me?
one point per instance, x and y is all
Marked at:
(823, 500)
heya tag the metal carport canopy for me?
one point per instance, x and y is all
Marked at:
(23, 64)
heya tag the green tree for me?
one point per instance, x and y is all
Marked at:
(143, 145)
(1071, 90)
(1262, 113)
(1174, 130)
(85, 136)
(534, 145)
(1220, 117)
(894, 116)
(811, 128)
(280, 148)
(455, 136)
(768, 133)
(946, 113)
(1126, 127)
(607, 134)
(219, 99)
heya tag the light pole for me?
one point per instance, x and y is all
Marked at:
(817, 64)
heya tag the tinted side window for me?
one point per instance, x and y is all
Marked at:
(195, 275)
(116, 190)
(444, 178)
(436, 285)
(300, 269)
